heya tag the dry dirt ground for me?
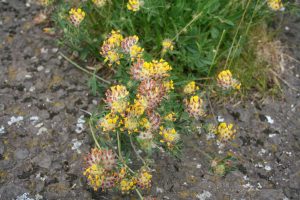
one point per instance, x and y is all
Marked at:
(43, 136)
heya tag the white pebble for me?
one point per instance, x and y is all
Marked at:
(270, 120)
(76, 145)
(204, 195)
(14, 119)
(2, 130)
(42, 130)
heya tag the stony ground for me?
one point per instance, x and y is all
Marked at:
(43, 136)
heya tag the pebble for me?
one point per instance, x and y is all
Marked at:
(269, 119)
(43, 160)
(21, 154)
(268, 168)
(220, 119)
(32, 89)
(159, 190)
(40, 68)
(76, 145)
(34, 119)
(80, 124)
(204, 195)
(14, 119)
(42, 130)
(2, 130)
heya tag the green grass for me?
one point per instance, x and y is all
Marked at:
(206, 33)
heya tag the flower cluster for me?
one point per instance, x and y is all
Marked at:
(195, 107)
(116, 47)
(226, 81)
(167, 45)
(110, 46)
(139, 115)
(117, 98)
(190, 88)
(99, 3)
(169, 136)
(102, 172)
(155, 69)
(225, 132)
(76, 16)
(276, 5)
(134, 5)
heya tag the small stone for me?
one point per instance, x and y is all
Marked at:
(269, 194)
(2, 107)
(28, 76)
(76, 145)
(42, 130)
(14, 119)
(54, 50)
(32, 89)
(1, 147)
(40, 68)
(44, 50)
(43, 160)
(204, 195)
(21, 154)
(159, 190)
(220, 119)
(34, 119)
(295, 181)
(2, 130)
(269, 119)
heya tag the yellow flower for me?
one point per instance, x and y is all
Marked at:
(109, 49)
(99, 3)
(276, 5)
(94, 174)
(170, 117)
(109, 122)
(133, 5)
(127, 185)
(169, 85)
(195, 107)
(117, 98)
(136, 52)
(144, 122)
(128, 42)
(169, 136)
(100, 168)
(226, 81)
(167, 45)
(190, 88)
(115, 38)
(226, 132)
(76, 16)
(144, 179)
(131, 124)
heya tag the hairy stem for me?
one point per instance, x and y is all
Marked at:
(84, 70)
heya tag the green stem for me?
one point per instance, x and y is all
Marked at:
(119, 147)
(236, 33)
(84, 70)
(246, 33)
(93, 134)
(216, 53)
(135, 151)
(188, 24)
(139, 194)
